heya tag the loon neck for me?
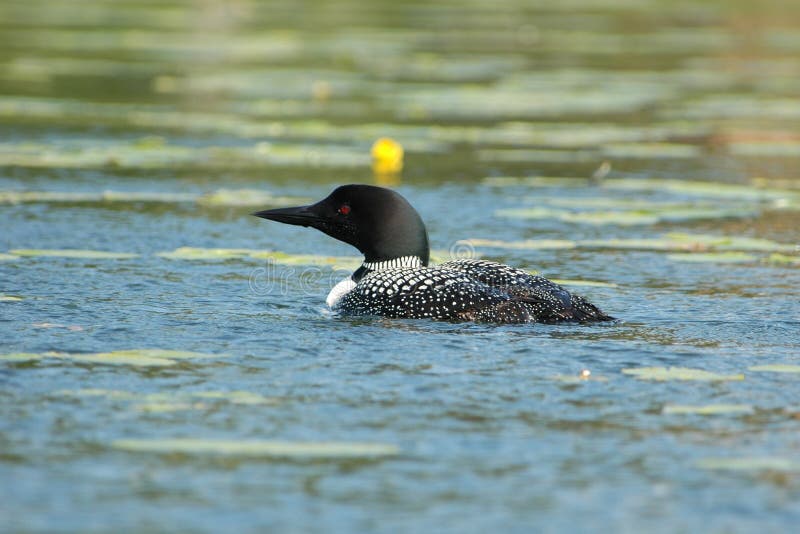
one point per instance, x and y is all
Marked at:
(403, 262)
(395, 263)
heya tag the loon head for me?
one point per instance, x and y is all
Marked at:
(377, 221)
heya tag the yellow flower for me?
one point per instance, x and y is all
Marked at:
(387, 156)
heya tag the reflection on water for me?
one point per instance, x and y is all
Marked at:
(167, 363)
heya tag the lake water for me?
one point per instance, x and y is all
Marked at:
(644, 152)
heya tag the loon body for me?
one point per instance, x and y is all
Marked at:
(395, 280)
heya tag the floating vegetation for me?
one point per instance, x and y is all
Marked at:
(651, 151)
(135, 358)
(299, 450)
(783, 259)
(10, 298)
(629, 217)
(150, 153)
(8, 257)
(756, 463)
(205, 254)
(183, 399)
(765, 149)
(280, 258)
(20, 357)
(581, 378)
(698, 188)
(778, 197)
(708, 409)
(73, 253)
(220, 197)
(713, 257)
(775, 368)
(528, 244)
(582, 283)
(662, 374)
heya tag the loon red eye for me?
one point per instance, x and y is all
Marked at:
(344, 209)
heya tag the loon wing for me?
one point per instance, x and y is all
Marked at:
(459, 294)
(434, 293)
(550, 302)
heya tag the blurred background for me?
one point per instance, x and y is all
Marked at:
(646, 153)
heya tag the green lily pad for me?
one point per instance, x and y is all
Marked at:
(261, 448)
(281, 258)
(651, 151)
(582, 283)
(110, 358)
(713, 257)
(661, 374)
(195, 253)
(159, 353)
(20, 357)
(135, 358)
(776, 368)
(73, 253)
(529, 244)
(782, 259)
(98, 392)
(709, 409)
(579, 379)
(697, 188)
(247, 197)
(765, 149)
(766, 463)
(689, 242)
(166, 407)
(628, 217)
(623, 218)
(537, 181)
(236, 397)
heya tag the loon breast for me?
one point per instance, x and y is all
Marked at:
(461, 290)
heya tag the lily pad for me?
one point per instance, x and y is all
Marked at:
(261, 448)
(247, 197)
(641, 216)
(73, 253)
(579, 378)
(713, 257)
(281, 258)
(756, 463)
(20, 357)
(166, 407)
(651, 151)
(159, 353)
(709, 409)
(529, 244)
(689, 242)
(782, 259)
(10, 298)
(195, 253)
(623, 218)
(582, 283)
(776, 368)
(662, 374)
(110, 358)
(135, 358)
(697, 188)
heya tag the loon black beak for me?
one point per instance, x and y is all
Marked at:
(299, 216)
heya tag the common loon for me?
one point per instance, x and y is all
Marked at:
(395, 281)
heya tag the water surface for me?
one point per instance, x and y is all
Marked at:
(159, 119)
